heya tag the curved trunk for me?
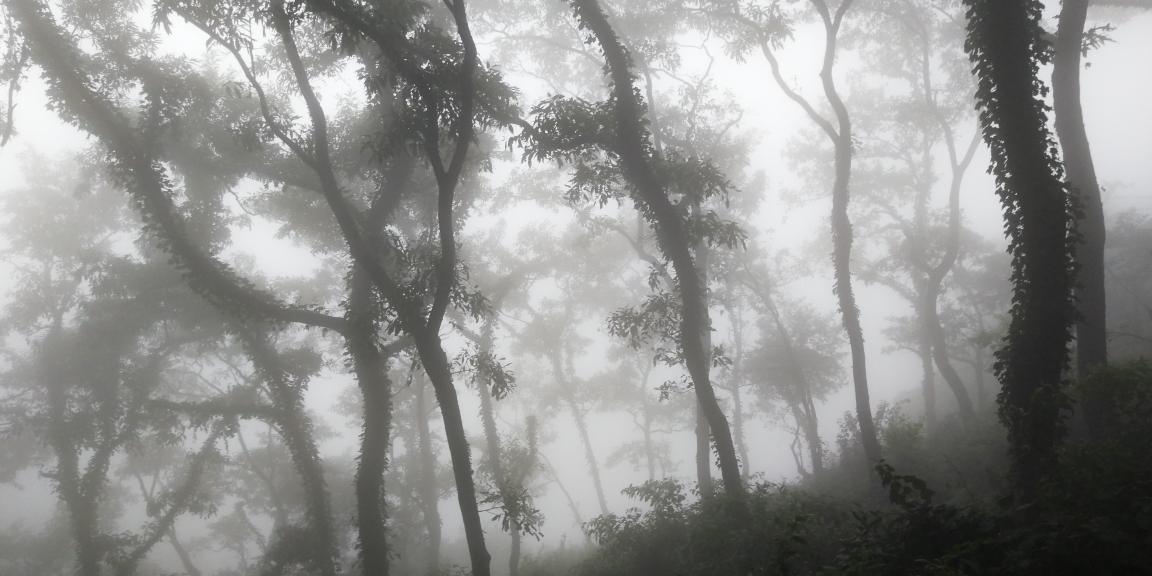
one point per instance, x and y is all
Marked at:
(371, 369)
(296, 429)
(842, 232)
(841, 264)
(653, 199)
(940, 355)
(1091, 327)
(182, 552)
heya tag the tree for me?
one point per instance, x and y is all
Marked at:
(751, 26)
(1091, 323)
(925, 96)
(1007, 46)
(631, 158)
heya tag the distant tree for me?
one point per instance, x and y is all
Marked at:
(923, 96)
(750, 26)
(627, 157)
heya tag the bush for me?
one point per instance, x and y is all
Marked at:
(1093, 517)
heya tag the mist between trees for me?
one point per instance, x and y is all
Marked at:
(574, 287)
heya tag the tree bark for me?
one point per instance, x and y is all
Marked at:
(928, 380)
(371, 369)
(1091, 327)
(429, 489)
(842, 239)
(182, 553)
(703, 453)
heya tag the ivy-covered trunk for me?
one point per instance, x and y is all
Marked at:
(295, 427)
(1006, 44)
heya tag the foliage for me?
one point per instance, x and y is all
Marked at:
(1093, 516)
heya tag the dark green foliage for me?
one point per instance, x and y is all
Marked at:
(789, 531)
(1092, 516)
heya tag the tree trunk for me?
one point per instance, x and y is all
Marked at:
(842, 233)
(439, 370)
(653, 198)
(495, 457)
(182, 553)
(371, 369)
(589, 452)
(940, 354)
(850, 314)
(928, 382)
(296, 429)
(703, 453)
(1004, 41)
(1091, 328)
(429, 489)
(804, 407)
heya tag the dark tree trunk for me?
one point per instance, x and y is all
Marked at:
(1091, 332)
(939, 347)
(841, 265)
(1005, 42)
(439, 370)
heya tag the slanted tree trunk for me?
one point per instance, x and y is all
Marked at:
(182, 553)
(940, 355)
(804, 405)
(633, 152)
(589, 451)
(296, 428)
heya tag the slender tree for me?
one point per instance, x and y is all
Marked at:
(1091, 322)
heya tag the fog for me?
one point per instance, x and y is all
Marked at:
(341, 287)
